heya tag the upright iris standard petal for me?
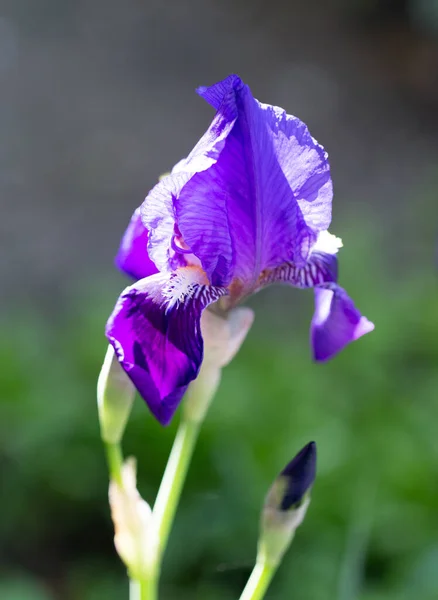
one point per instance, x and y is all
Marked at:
(158, 209)
(132, 257)
(155, 331)
(302, 159)
(253, 193)
(269, 192)
(336, 321)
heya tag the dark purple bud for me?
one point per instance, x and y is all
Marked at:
(286, 504)
(299, 476)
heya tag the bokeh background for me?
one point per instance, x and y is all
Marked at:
(97, 99)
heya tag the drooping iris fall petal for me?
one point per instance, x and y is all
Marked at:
(336, 321)
(155, 331)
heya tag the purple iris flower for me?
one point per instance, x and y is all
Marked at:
(248, 207)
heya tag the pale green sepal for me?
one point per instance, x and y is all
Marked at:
(278, 530)
(115, 395)
(222, 337)
(134, 533)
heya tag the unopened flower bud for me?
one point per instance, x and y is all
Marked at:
(115, 395)
(133, 524)
(286, 505)
(223, 337)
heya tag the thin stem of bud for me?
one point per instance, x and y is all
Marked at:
(146, 589)
(134, 590)
(115, 461)
(259, 581)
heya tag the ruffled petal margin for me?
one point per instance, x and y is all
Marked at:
(156, 334)
(132, 257)
(336, 321)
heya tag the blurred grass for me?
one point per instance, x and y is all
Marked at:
(371, 531)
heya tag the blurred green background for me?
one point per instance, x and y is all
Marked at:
(98, 100)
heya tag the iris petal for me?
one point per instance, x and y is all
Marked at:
(265, 198)
(336, 321)
(158, 209)
(132, 257)
(319, 268)
(155, 331)
(254, 192)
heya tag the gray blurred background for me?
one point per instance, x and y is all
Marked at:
(96, 101)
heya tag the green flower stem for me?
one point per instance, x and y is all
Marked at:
(134, 590)
(167, 500)
(142, 590)
(115, 461)
(173, 480)
(259, 581)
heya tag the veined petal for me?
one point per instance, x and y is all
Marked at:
(158, 209)
(158, 216)
(155, 331)
(319, 268)
(336, 321)
(132, 257)
(217, 93)
(264, 199)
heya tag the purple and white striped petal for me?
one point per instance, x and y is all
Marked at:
(321, 266)
(132, 257)
(156, 334)
(336, 321)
